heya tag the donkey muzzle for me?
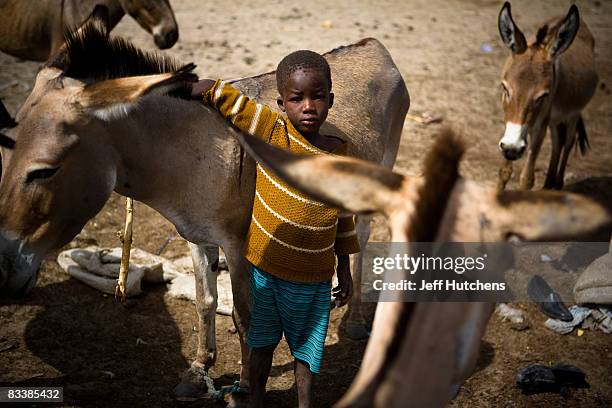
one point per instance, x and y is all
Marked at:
(511, 153)
(166, 38)
(18, 269)
(514, 142)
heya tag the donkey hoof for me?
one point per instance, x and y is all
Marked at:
(526, 184)
(193, 385)
(356, 331)
(238, 400)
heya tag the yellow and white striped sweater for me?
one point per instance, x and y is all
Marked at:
(291, 236)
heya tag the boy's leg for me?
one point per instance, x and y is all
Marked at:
(303, 381)
(304, 311)
(265, 331)
(260, 365)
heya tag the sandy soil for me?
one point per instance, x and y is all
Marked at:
(68, 334)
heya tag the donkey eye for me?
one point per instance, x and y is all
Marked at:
(40, 174)
(540, 99)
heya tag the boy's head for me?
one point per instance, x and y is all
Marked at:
(303, 80)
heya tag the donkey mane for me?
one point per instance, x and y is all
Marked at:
(441, 172)
(91, 55)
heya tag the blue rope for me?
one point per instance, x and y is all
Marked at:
(229, 389)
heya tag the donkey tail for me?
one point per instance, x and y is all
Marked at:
(583, 140)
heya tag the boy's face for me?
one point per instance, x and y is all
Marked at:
(306, 100)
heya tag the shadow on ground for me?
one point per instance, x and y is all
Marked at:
(101, 352)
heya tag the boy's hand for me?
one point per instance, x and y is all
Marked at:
(199, 88)
(343, 292)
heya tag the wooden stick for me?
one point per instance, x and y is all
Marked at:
(126, 241)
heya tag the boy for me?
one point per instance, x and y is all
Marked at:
(292, 239)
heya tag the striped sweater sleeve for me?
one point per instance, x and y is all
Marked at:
(346, 237)
(247, 115)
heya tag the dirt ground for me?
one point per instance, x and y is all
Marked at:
(104, 354)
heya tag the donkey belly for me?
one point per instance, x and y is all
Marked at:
(24, 29)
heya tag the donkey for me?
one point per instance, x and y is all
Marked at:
(423, 352)
(546, 83)
(34, 29)
(102, 109)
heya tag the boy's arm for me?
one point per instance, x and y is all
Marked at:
(248, 116)
(344, 291)
(346, 237)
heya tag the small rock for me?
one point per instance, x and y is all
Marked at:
(545, 258)
(109, 374)
(516, 317)
(486, 48)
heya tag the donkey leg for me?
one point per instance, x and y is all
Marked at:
(356, 327)
(570, 140)
(527, 177)
(558, 134)
(239, 269)
(205, 262)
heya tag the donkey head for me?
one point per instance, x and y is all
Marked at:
(155, 16)
(528, 77)
(58, 169)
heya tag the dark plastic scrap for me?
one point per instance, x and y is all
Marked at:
(538, 378)
(547, 299)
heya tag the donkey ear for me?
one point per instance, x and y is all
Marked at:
(6, 121)
(113, 98)
(546, 215)
(511, 35)
(566, 33)
(351, 185)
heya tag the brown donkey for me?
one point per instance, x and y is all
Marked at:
(105, 116)
(546, 83)
(34, 29)
(420, 353)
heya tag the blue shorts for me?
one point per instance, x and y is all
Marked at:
(298, 310)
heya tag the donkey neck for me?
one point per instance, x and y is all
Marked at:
(76, 11)
(178, 157)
